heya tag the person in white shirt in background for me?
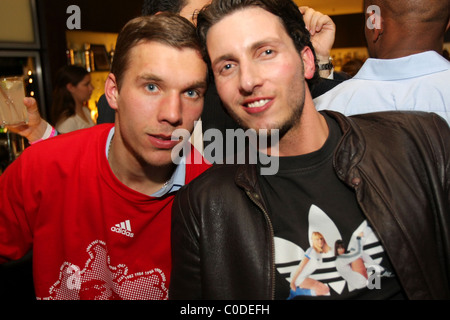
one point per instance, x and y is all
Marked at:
(69, 110)
(405, 70)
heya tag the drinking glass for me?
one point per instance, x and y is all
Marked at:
(12, 109)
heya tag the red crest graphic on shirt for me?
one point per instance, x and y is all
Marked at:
(99, 280)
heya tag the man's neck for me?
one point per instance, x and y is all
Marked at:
(143, 178)
(309, 135)
(402, 44)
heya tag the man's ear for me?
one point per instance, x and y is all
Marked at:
(378, 32)
(112, 91)
(309, 63)
(377, 27)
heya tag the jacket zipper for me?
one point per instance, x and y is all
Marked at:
(266, 215)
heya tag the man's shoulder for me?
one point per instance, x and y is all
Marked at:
(401, 118)
(395, 130)
(225, 171)
(338, 94)
(389, 126)
(216, 177)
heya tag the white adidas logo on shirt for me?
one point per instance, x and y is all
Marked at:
(123, 228)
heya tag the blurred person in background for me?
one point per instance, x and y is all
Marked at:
(406, 70)
(69, 110)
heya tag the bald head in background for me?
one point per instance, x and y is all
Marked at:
(407, 27)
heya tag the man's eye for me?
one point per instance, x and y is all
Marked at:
(152, 87)
(227, 67)
(192, 94)
(267, 52)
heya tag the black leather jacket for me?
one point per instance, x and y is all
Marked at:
(399, 167)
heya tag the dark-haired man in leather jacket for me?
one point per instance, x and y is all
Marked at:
(380, 180)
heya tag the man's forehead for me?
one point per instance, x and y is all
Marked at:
(160, 47)
(266, 20)
(153, 59)
(256, 25)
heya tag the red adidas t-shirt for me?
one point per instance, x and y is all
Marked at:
(92, 236)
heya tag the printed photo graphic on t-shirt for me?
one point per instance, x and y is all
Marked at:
(329, 266)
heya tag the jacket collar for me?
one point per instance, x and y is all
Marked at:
(349, 150)
(247, 177)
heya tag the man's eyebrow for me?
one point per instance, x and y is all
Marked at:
(149, 76)
(201, 84)
(265, 42)
(197, 85)
(253, 47)
(222, 58)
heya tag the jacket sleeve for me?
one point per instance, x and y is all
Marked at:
(441, 147)
(185, 280)
(445, 130)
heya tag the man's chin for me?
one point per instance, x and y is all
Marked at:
(158, 159)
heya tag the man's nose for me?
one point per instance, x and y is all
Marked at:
(170, 109)
(249, 77)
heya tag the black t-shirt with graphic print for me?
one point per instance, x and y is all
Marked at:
(313, 212)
